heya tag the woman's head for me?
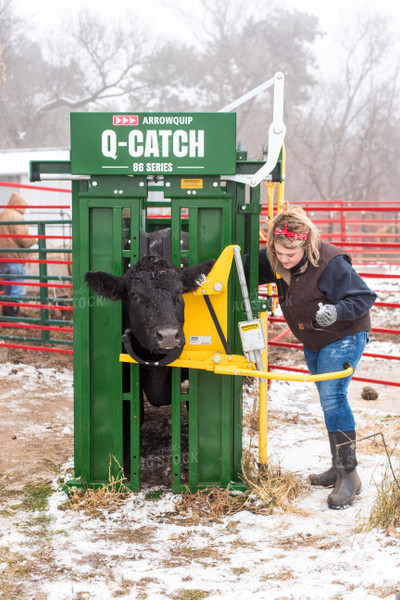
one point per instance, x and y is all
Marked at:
(292, 235)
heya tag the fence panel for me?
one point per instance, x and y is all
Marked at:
(370, 232)
(44, 319)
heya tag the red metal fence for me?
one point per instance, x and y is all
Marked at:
(46, 308)
(370, 232)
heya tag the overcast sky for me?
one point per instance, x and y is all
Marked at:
(336, 17)
(162, 15)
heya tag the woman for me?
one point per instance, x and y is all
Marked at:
(326, 305)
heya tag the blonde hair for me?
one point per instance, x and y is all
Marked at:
(294, 220)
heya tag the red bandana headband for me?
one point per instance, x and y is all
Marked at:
(290, 234)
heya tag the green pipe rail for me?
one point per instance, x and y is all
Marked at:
(47, 324)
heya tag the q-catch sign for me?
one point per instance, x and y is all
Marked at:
(153, 143)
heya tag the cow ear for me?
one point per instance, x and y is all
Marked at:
(105, 284)
(193, 277)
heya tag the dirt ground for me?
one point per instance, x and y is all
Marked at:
(39, 439)
(36, 447)
(29, 456)
(40, 435)
(36, 438)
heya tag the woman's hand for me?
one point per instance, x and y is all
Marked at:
(326, 315)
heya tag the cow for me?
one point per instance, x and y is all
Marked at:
(151, 292)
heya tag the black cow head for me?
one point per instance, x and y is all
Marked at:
(152, 292)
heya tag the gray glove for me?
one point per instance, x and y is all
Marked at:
(326, 315)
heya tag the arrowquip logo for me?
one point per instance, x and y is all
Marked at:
(125, 120)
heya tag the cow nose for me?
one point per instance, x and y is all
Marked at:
(167, 337)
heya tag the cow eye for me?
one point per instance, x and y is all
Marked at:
(134, 296)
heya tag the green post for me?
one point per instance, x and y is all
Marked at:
(43, 277)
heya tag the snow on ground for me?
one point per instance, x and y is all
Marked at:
(145, 550)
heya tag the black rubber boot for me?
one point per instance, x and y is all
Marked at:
(10, 311)
(348, 483)
(327, 478)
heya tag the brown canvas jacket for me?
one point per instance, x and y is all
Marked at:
(302, 297)
(12, 229)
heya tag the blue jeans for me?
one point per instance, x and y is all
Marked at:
(18, 270)
(333, 393)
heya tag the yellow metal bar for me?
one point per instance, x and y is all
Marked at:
(280, 200)
(270, 185)
(281, 376)
(281, 185)
(235, 364)
(263, 399)
(262, 237)
(205, 360)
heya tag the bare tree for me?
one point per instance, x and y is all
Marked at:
(92, 63)
(342, 131)
(3, 17)
(343, 144)
(236, 47)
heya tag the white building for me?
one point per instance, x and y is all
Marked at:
(14, 173)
